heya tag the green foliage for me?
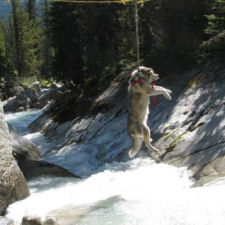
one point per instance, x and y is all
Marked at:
(31, 9)
(46, 82)
(3, 58)
(91, 42)
(47, 51)
(216, 18)
(214, 47)
(172, 31)
(25, 38)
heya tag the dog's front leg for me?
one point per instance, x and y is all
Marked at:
(158, 90)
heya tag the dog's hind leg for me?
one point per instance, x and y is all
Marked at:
(136, 146)
(147, 138)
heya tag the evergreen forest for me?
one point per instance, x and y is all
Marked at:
(87, 45)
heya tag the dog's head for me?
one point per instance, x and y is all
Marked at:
(147, 73)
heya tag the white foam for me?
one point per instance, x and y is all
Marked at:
(137, 181)
(150, 194)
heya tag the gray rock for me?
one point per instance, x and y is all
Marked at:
(49, 95)
(30, 161)
(188, 130)
(31, 220)
(23, 146)
(31, 93)
(37, 168)
(13, 185)
(53, 86)
(21, 109)
(71, 214)
(36, 85)
(49, 220)
(17, 102)
(44, 98)
(36, 105)
(15, 91)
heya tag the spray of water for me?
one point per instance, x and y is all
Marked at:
(138, 192)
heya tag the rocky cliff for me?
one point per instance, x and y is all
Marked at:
(13, 186)
(189, 130)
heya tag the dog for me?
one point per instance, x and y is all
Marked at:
(140, 88)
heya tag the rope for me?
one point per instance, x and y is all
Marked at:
(137, 34)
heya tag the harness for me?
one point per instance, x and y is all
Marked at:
(138, 80)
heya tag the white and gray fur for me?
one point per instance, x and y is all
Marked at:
(139, 101)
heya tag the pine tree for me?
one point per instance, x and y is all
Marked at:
(91, 42)
(26, 41)
(17, 33)
(46, 45)
(3, 56)
(31, 9)
(216, 18)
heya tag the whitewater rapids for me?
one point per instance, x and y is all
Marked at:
(137, 192)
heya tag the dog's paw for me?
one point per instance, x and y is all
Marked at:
(167, 96)
(132, 153)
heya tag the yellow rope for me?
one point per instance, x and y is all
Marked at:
(102, 1)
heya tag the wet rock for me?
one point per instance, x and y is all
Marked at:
(36, 105)
(21, 109)
(188, 131)
(210, 171)
(54, 86)
(36, 85)
(29, 159)
(13, 185)
(45, 98)
(50, 221)
(15, 91)
(50, 94)
(37, 168)
(31, 220)
(71, 214)
(23, 146)
(14, 103)
(31, 93)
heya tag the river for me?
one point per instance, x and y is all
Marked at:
(137, 192)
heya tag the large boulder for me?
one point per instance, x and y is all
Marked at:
(37, 168)
(16, 90)
(30, 161)
(13, 184)
(36, 85)
(17, 102)
(31, 93)
(23, 146)
(49, 95)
